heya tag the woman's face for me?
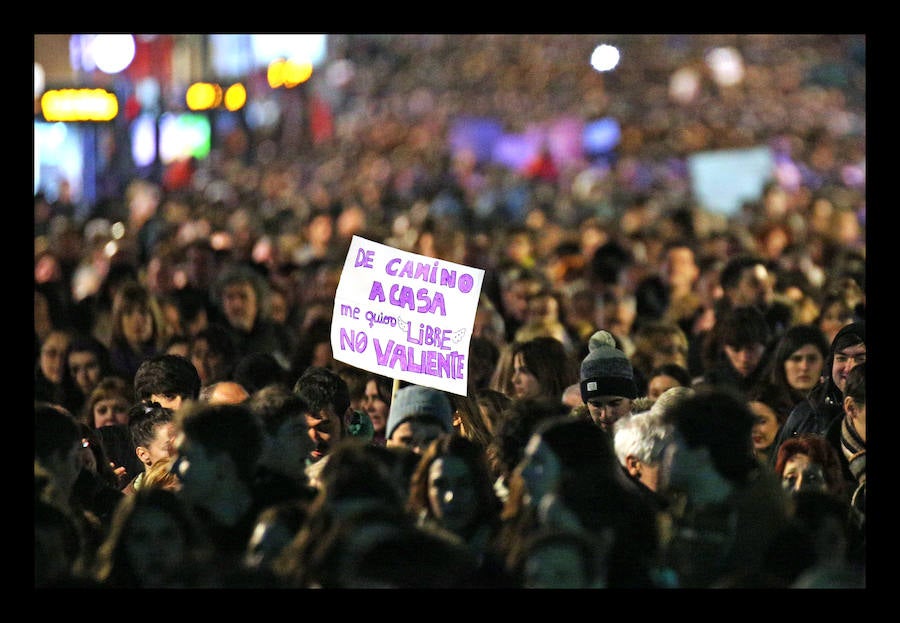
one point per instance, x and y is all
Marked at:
(53, 356)
(451, 493)
(804, 367)
(110, 411)
(765, 427)
(834, 318)
(137, 325)
(659, 384)
(211, 365)
(525, 383)
(84, 367)
(802, 474)
(376, 408)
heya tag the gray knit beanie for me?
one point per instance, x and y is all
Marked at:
(606, 371)
(414, 400)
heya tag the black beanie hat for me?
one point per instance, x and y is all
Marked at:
(849, 335)
(606, 371)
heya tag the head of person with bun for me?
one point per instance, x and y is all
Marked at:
(607, 381)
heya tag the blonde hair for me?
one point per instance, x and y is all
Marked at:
(160, 475)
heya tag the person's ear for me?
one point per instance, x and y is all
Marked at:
(850, 407)
(633, 465)
(143, 455)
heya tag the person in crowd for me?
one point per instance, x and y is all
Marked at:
(492, 404)
(853, 448)
(767, 424)
(843, 298)
(377, 405)
(223, 392)
(276, 526)
(178, 344)
(361, 543)
(50, 381)
(517, 285)
(657, 343)
(96, 308)
(218, 448)
(559, 558)
(541, 367)
(108, 403)
(737, 350)
(822, 410)
(665, 377)
(161, 475)
(108, 412)
(668, 295)
(484, 354)
(747, 281)
(607, 381)
(808, 462)
(258, 370)
(725, 507)
(58, 460)
(344, 498)
(468, 418)
(87, 362)
(418, 415)
(328, 398)
(795, 367)
(214, 354)
(314, 348)
(240, 294)
(488, 323)
(820, 522)
(155, 542)
(168, 380)
(545, 315)
(356, 383)
(639, 440)
(152, 431)
(452, 488)
(58, 544)
(136, 329)
(281, 473)
(573, 479)
(98, 487)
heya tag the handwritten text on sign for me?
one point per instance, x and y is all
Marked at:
(405, 315)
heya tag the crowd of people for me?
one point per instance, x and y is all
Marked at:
(659, 395)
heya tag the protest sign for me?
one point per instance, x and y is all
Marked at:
(405, 316)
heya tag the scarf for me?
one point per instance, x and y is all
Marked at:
(854, 449)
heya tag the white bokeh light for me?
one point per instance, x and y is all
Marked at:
(726, 64)
(605, 57)
(113, 53)
(39, 80)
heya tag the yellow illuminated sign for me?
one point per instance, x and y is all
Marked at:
(79, 105)
(203, 96)
(207, 95)
(288, 74)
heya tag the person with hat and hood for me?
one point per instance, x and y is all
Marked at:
(607, 381)
(417, 417)
(822, 411)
